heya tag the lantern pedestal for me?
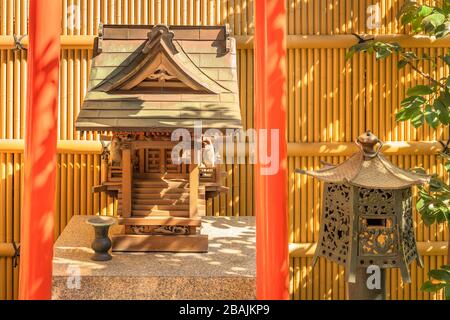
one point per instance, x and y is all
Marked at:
(360, 289)
(226, 271)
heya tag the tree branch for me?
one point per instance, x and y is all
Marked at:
(425, 75)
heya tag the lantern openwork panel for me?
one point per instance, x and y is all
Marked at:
(385, 228)
(334, 243)
(367, 211)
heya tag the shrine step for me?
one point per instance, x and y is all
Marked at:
(153, 207)
(159, 206)
(156, 221)
(166, 213)
(159, 176)
(159, 201)
(184, 195)
(163, 243)
(160, 183)
(153, 190)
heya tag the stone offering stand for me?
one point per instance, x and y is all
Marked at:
(226, 271)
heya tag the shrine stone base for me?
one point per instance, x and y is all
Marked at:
(226, 271)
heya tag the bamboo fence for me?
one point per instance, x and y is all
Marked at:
(330, 102)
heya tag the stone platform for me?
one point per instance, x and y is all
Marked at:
(227, 271)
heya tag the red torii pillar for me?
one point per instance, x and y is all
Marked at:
(272, 256)
(36, 250)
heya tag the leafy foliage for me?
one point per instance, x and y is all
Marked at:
(427, 19)
(425, 103)
(434, 199)
(439, 279)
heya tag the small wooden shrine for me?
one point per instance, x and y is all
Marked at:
(146, 82)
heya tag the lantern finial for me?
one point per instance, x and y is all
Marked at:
(367, 141)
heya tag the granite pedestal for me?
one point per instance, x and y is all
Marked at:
(226, 271)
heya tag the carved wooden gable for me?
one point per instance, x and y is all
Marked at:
(147, 77)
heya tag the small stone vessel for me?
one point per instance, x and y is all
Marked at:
(102, 242)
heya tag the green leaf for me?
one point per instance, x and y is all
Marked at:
(408, 7)
(439, 274)
(447, 166)
(446, 59)
(424, 11)
(366, 46)
(420, 90)
(444, 97)
(382, 52)
(436, 184)
(394, 46)
(410, 55)
(442, 112)
(416, 25)
(428, 219)
(402, 63)
(407, 18)
(431, 117)
(441, 214)
(428, 286)
(350, 53)
(413, 101)
(418, 120)
(420, 204)
(425, 195)
(409, 112)
(433, 21)
(442, 30)
(419, 170)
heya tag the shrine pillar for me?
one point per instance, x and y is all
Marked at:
(127, 180)
(193, 189)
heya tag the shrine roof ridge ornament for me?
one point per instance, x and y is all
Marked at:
(368, 168)
(160, 32)
(160, 59)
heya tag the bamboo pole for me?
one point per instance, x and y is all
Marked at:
(63, 192)
(348, 148)
(63, 146)
(7, 249)
(296, 250)
(83, 185)
(246, 41)
(243, 94)
(9, 223)
(425, 248)
(3, 223)
(16, 215)
(57, 215)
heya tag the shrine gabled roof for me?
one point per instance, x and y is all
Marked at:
(157, 77)
(373, 172)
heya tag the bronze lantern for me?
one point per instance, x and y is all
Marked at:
(367, 212)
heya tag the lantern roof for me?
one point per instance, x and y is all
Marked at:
(368, 168)
(151, 77)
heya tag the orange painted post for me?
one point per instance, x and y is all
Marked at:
(36, 250)
(272, 258)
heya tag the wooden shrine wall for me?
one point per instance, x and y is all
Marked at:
(330, 103)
